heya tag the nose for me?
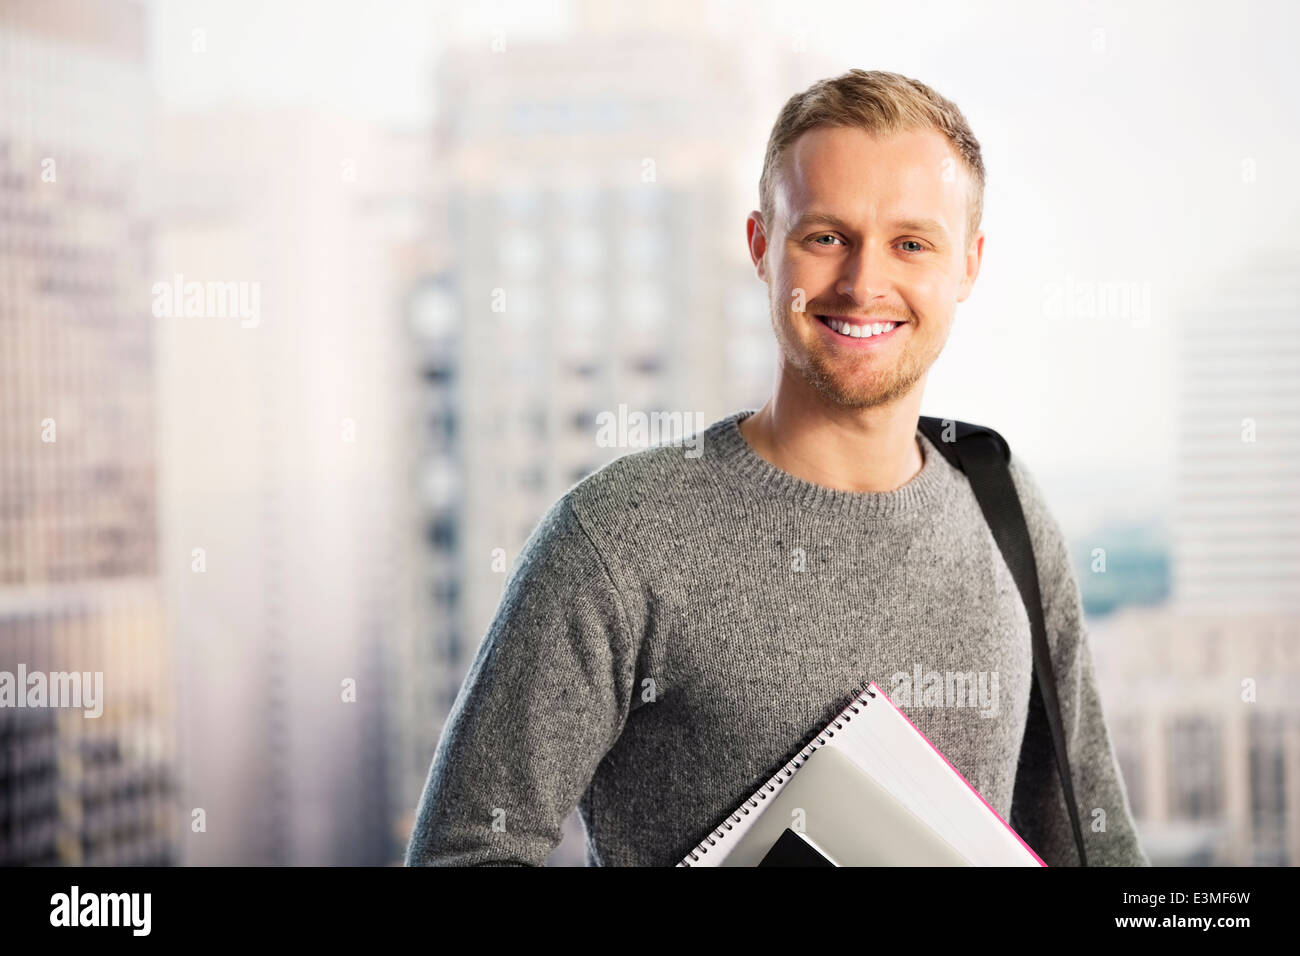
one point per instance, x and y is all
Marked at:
(864, 276)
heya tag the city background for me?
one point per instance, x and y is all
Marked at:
(278, 529)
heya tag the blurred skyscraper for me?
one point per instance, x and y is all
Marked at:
(597, 258)
(1237, 523)
(79, 585)
(1204, 693)
(1204, 710)
(284, 482)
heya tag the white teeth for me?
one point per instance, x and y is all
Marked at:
(860, 331)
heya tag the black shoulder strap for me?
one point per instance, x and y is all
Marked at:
(984, 456)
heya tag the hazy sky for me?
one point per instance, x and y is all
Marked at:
(1115, 137)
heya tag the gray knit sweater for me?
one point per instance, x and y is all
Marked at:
(678, 626)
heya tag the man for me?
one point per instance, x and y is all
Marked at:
(678, 626)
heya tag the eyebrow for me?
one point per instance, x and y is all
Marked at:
(932, 226)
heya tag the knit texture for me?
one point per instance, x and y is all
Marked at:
(676, 628)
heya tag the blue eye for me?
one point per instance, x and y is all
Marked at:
(915, 243)
(826, 236)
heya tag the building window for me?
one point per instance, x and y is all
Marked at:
(1268, 789)
(521, 253)
(584, 307)
(646, 364)
(439, 374)
(446, 592)
(643, 304)
(442, 428)
(521, 202)
(1195, 768)
(441, 532)
(1128, 741)
(584, 249)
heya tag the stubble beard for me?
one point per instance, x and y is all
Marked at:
(846, 380)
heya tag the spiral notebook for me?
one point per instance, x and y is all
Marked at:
(869, 790)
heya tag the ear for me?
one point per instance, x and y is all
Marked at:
(756, 237)
(974, 256)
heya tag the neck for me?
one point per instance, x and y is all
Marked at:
(848, 449)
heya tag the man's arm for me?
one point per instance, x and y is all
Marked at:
(1098, 783)
(545, 698)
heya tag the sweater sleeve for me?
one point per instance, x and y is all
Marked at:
(545, 698)
(1039, 812)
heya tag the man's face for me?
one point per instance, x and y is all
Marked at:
(865, 230)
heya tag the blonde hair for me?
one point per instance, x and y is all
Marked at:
(879, 103)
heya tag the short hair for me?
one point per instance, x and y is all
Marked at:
(879, 103)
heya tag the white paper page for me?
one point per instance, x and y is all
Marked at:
(881, 741)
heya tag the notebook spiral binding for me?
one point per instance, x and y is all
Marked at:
(858, 704)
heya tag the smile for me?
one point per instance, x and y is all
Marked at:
(856, 331)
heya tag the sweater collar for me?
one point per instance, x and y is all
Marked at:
(728, 449)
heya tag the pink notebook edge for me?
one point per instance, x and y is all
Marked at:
(958, 773)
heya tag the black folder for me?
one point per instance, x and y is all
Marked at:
(791, 849)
